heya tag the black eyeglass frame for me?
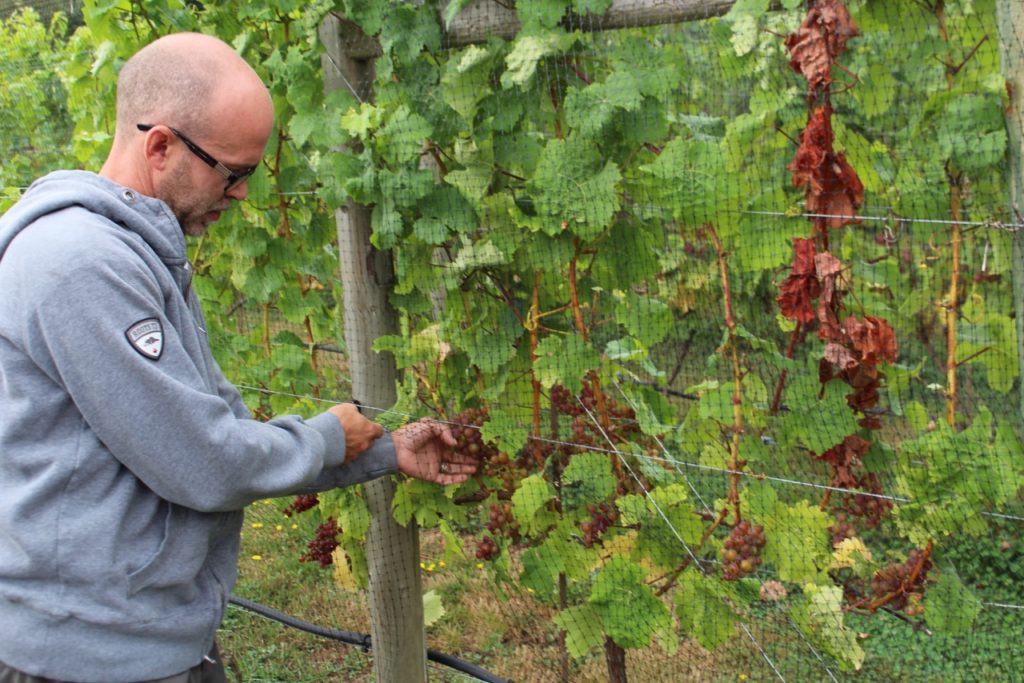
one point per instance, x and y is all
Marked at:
(233, 178)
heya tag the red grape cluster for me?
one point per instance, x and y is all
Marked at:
(871, 508)
(584, 425)
(322, 546)
(487, 549)
(467, 434)
(895, 580)
(842, 529)
(602, 517)
(501, 520)
(741, 553)
(301, 503)
(858, 509)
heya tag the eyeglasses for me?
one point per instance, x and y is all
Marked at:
(233, 178)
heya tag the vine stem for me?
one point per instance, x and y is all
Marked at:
(673, 576)
(581, 326)
(735, 463)
(533, 325)
(952, 307)
(956, 238)
(794, 339)
(911, 579)
(266, 328)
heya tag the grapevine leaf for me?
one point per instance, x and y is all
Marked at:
(369, 14)
(702, 610)
(669, 527)
(630, 611)
(400, 140)
(425, 501)
(766, 241)
(453, 546)
(467, 78)
(529, 504)
(510, 415)
(632, 259)
(433, 608)
(796, 536)
(529, 50)
(471, 181)
(647, 319)
(989, 340)
(588, 479)
(589, 110)
(542, 14)
(583, 632)
(344, 577)
(744, 34)
(818, 424)
(820, 617)
(430, 231)
(408, 29)
(477, 255)
(950, 607)
(565, 361)
(492, 343)
(574, 188)
(558, 554)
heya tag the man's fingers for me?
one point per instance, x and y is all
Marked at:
(449, 479)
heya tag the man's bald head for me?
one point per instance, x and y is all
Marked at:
(195, 87)
(181, 80)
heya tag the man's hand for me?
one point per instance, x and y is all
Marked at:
(424, 450)
(359, 431)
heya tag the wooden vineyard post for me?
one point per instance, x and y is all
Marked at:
(395, 593)
(1010, 15)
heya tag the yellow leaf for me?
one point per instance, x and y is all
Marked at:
(342, 571)
(845, 555)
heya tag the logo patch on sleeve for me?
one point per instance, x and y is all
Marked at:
(147, 337)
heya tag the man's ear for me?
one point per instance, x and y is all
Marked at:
(156, 147)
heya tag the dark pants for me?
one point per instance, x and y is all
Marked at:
(210, 670)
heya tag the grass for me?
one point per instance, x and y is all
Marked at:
(514, 637)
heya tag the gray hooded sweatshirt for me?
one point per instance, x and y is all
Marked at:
(126, 457)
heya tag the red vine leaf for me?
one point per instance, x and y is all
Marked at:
(840, 356)
(844, 457)
(801, 288)
(833, 187)
(837, 23)
(822, 36)
(827, 265)
(808, 54)
(874, 339)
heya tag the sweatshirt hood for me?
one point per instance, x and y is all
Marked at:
(148, 217)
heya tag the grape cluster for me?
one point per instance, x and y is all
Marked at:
(741, 553)
(486, 549)
(843, 529)
(467, 434)
(502, 521)
(301, 503)
(895, 580)
(322, 546)
(602, 517)
(870, 508)
(860, 509)
(585, 430)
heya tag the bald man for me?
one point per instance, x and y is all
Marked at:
(126, 457)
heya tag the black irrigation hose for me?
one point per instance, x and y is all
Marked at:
(361, 640)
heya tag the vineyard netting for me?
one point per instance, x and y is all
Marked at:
(721, 294)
